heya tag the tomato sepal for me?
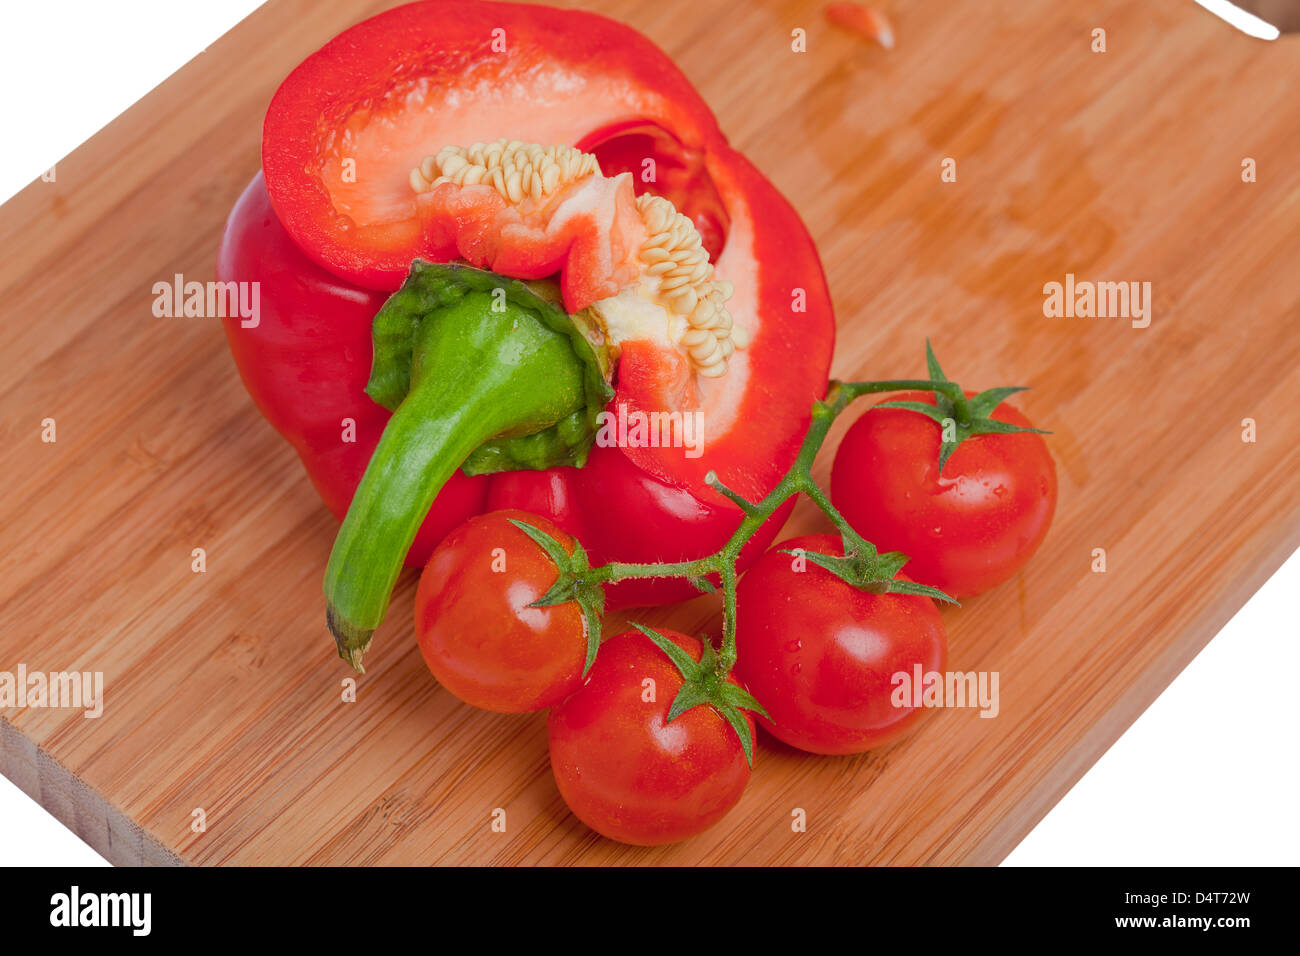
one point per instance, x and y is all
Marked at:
(570, 585)
(705, 684)
(862, 566)
(960, 418)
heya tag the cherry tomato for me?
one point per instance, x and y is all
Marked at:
(623, 769)
(477, 632)
(820, 655)
(965, 530)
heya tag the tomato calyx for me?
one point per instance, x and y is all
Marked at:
(570, 585)
(705, 683)
(865, 568)
(960, 417)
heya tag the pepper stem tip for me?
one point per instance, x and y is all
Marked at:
(352, 641)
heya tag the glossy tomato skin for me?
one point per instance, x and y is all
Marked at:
(966, 530)
(623, 769)
(820, 654)
(477, 633)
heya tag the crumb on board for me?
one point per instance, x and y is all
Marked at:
(867, 22)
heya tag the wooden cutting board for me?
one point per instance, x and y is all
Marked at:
(222, 690)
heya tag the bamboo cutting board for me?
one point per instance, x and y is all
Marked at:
(222, 690)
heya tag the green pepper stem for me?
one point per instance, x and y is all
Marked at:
(479, 370)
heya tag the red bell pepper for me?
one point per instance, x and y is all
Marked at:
(340, 213)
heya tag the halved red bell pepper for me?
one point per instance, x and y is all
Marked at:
(336, 225)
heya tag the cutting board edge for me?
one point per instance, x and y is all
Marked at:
(1013, 826)
(73, 802)
(78, 806)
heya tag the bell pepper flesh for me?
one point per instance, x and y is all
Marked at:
(397, 86)
(326, 249)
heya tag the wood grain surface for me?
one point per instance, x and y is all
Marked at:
(222, 688)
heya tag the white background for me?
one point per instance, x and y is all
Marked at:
(1208, 775)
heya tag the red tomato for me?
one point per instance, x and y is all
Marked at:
(623, 769)
(477, 632)
(966, 530)
(820, 655)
